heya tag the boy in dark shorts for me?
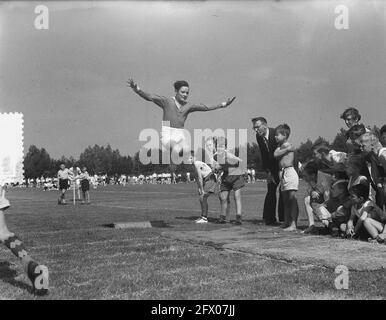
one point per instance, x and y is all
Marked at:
(64, 175)
(232, 179)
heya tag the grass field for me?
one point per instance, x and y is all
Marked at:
(88, 260)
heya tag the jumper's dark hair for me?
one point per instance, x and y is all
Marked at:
(360, 190)
(262, 119)
(284, 129)
(179, 84)
(351, 111)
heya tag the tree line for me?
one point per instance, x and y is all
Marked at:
(104, 160)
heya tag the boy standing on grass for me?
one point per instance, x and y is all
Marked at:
(232, 179)
(84, 178)
(64, 175)
(289, 179)
(206, 183)
(38, 274)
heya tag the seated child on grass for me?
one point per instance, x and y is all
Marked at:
(317, 193)
(331, 207)
(362, 208)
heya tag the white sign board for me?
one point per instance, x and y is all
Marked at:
(11, 148)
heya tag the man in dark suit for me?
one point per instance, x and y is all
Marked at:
(265, 138)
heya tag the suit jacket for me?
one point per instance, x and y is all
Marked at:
(269, 161)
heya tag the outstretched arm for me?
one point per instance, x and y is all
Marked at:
(145, 95)
(204, 107)
(233, 157)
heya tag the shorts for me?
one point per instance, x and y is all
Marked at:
(174, 136)
(289, 179)
(210, 183)
(63, 184)
(232, 182)
(85, 185)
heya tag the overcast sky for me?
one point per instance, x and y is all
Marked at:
(284, 60)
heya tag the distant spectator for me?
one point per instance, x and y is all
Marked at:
(351, 117)
(64, 175)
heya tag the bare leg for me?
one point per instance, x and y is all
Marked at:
(228, 210)
(238, 202)
(224, 203)
(291, 209)
(204, 205)
(373, 227)
(286, 223)
(310, 213)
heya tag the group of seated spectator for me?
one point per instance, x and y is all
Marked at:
(347, 190)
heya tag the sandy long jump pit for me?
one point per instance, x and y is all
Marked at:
(295, 247)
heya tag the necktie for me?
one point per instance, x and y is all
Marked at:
(266, 142)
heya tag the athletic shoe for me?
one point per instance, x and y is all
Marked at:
(202, 220)
(4, 204)
(311, 230)
(38, 274)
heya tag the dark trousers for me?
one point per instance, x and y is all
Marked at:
(269, 213)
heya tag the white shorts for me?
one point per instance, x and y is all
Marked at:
(289, 179)
(174, 136)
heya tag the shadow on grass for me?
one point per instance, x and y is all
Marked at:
(8, 275)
